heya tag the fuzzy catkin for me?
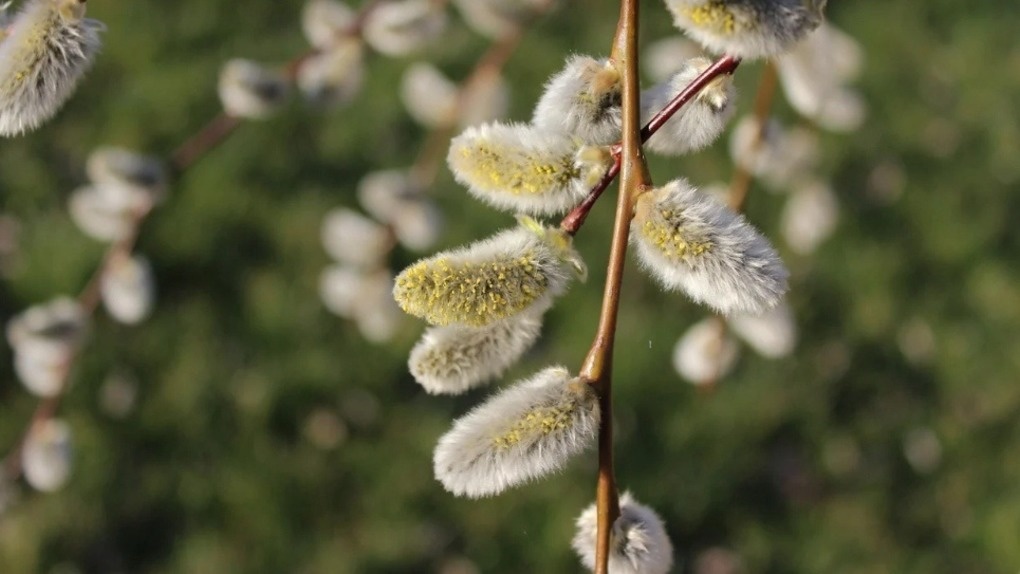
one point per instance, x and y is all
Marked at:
(697, 124)
(747, 28)
(525, 432)
(453, 359)
(515, 271)
(637, 542)
(49, 47)
(691, 241)
(525, 169)
(583, 101)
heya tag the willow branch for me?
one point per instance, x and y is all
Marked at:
(597, 368)
(186, 155)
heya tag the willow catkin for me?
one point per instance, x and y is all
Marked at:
(747, 28)
(638, 543)
(518, 270)
(524, 169)
(525, 432)
(697, 124)
(48, 48)
(691, 241)
(583, 100)
(455, 358)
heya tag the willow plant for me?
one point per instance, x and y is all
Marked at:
(485, 302)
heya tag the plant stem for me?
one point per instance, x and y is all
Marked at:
(597, 368)
(740, 185)
(573, 221)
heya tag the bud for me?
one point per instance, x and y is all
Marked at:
(127, 178)
(53, 328)
(697, 124)
(48, 48)
(128, 289)
(692, 242)
(377, 315)
(637, 542)
(339, 289)
(417, 224)
(814, 77)
(250, 90)
(326, 21)
(454, 359)
(99, 215)
(382, 193)
(748, 29)
(401, 27)
(665, 57)
(518, 270)
(705, 353)
(335, 75)
(582, 100)
(352, 238)
(47, 455)
(497, 18)
(525, 169)
(429, 96)
(525, 432)
(775, 155)
(809, 217)
(772, 334)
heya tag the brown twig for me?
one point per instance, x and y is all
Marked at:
(597, 367)
(724, 65)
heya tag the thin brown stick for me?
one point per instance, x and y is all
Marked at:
(597, 367)
(740, 185)
(724, 65)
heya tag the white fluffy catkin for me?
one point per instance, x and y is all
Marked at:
(582, 100)
(691, 241)
(516, 271)
(698, 123)
(747, 28)
(525, 432)
(525, 169)
(453, 359)
(49, 47)
(637, 543)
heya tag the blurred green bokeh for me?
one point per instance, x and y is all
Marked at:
(909, 319)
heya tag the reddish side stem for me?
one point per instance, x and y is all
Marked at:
(724, 65)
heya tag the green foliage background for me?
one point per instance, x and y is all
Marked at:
(796, 465)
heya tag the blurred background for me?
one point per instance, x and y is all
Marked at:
(243, 427)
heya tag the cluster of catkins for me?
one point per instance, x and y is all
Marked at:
(485, 302)
(814, 77)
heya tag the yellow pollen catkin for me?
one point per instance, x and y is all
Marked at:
(665, 230)
(540, 421)
(472, 293)
(501, 169)
(713, 15)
